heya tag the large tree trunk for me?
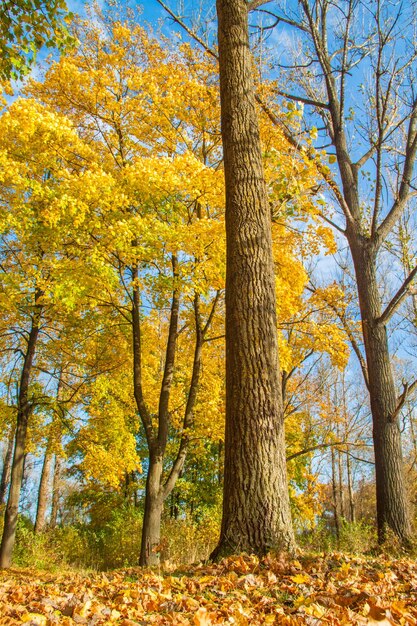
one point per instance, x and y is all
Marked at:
(43, 491)
(369, 220)
(7, 466)
(392, 503)
(56, 491)
(23, 414)
(256, 511)
(154, 502)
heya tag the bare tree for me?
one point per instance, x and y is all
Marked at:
(353, 65)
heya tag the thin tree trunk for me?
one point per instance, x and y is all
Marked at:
(352, 514)
(23, 413)
(340, 484)
(220, 464)
(256, 511)
(175, 505)
(158, 488)
(155, 493)
(44, 489)
(335, 499)
(7, 465)
(392, 503)
(350, 494)
(56, 491)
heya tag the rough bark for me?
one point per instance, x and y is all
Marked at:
(23, 414)
(44, 489)
(154, 501)
(388, 82)
(7, 466)
(256, 512)
(56, 491)
(392, 502)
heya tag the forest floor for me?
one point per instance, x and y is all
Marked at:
(319, 589)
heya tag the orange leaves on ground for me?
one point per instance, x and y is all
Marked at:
(240, 590)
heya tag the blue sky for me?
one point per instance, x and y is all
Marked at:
(151, 10)
(153, 14)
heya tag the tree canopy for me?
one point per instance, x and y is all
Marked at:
(25, 27)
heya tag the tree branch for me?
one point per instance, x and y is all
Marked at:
(254, 4)
(188, 30)
(211, 314)
(309, 101)
(364, 158)
(285, 20)
(137, 363)
(332, 223)
(403, 397)
(320, 446)
(398, 298)
(169, 362)
(192, 397)
(410, 156)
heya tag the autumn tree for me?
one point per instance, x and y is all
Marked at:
(127, 190)
(165, 154)
(26, 26)
(163, 240)
(39, 272)
(290, 181)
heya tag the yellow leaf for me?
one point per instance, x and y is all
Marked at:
(34, 618)
(316, 610)
(300, 579)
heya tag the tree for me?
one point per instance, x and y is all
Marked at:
(163, 240)
(37, 265)
(7, 464)
(25, 27)
(346, 47)
(256, 510)
(23, 414)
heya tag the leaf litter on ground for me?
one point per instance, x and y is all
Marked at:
(321, 589)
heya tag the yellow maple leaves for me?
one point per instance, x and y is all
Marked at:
(113, 161)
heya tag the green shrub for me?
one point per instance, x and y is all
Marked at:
(35, 551)
(354, 538)
(188, 541)
(357, 537)
(115, 542)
